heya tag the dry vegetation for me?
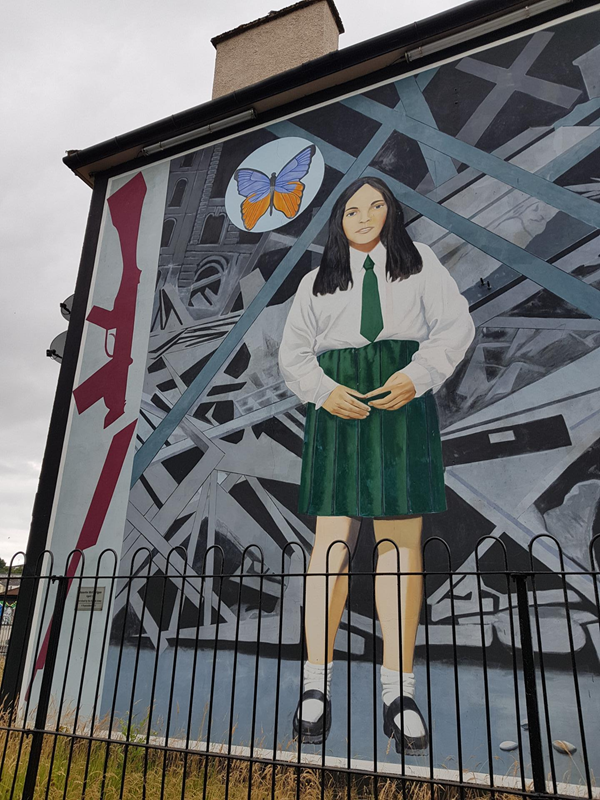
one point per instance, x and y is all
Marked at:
(85, 772)
(79, 768)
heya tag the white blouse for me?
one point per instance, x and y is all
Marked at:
(427, 308)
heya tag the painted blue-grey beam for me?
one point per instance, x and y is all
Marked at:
(547, 276)
(581, 111)
(440, 166)
(332, 155)
(392, 119)
(424, 78)
(507, 81)
(530, 183)
(144, 456)
(565, 161)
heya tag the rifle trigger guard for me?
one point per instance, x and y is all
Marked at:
(106, 335)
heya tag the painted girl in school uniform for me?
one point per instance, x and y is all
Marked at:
(370, 336)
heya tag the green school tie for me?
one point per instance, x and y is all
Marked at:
(371, 319)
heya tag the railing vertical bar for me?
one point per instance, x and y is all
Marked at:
(111, 716)
(173, 673)
(278, 681)
(79, 579)
(584, 749)
(36, 650)
(303, 656)
(60, 705)
(349, 684)
(399, 577)
(544, 687)
(428, 679)
(456, 691)
(529, 677)
(9, 686)
(83, 672)
(37, 736)
(256, 681)
(192, 687)
(3, 619)
(486, 688)
(103, 650)
(15, 703)
(516, 688)
(126, 746)
(233, 680)
(164, 581)
(374, 665)
(211, 699)
(325, 664)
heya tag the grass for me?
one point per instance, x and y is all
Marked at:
(86, 773)
(74, 768)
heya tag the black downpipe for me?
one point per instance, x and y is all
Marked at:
(44, 499)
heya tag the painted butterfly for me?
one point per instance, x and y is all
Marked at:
(282, 191)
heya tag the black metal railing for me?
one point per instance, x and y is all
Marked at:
(154, 677)
(5, 631)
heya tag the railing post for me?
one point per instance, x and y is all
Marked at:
(529, 678)
(37, 735)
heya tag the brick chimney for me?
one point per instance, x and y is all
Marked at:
(272, 44)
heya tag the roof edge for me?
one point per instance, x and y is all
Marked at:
(391, 45)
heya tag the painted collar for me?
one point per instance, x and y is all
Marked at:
(357, 257)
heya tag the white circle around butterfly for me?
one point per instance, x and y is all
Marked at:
(274, 184)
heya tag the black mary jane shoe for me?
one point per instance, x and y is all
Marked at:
(412, 745)
(313, 732)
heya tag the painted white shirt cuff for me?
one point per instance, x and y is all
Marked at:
(326, 387)
(420, 377)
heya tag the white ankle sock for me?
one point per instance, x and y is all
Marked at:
(315, 678)
(390, 686)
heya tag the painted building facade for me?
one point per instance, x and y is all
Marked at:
(494, 156)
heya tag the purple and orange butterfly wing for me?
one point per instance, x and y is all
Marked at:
(255, 187)
(295, 169)
(288, 190)
(286, 194)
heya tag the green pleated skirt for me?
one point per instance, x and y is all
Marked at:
(387, 465)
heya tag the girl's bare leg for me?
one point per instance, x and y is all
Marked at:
(398, 603)
(325, 601)
(402, 553)
(324, 607)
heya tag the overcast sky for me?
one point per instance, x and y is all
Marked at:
(73, 74)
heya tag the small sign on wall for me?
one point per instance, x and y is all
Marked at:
(90, 600)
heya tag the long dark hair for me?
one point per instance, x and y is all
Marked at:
(403, 258)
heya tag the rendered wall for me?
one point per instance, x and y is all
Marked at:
(275, 46)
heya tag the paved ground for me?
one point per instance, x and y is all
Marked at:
(504, 721)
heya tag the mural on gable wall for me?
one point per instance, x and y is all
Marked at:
(494, 162)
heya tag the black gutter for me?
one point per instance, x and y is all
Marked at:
(411, 36)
